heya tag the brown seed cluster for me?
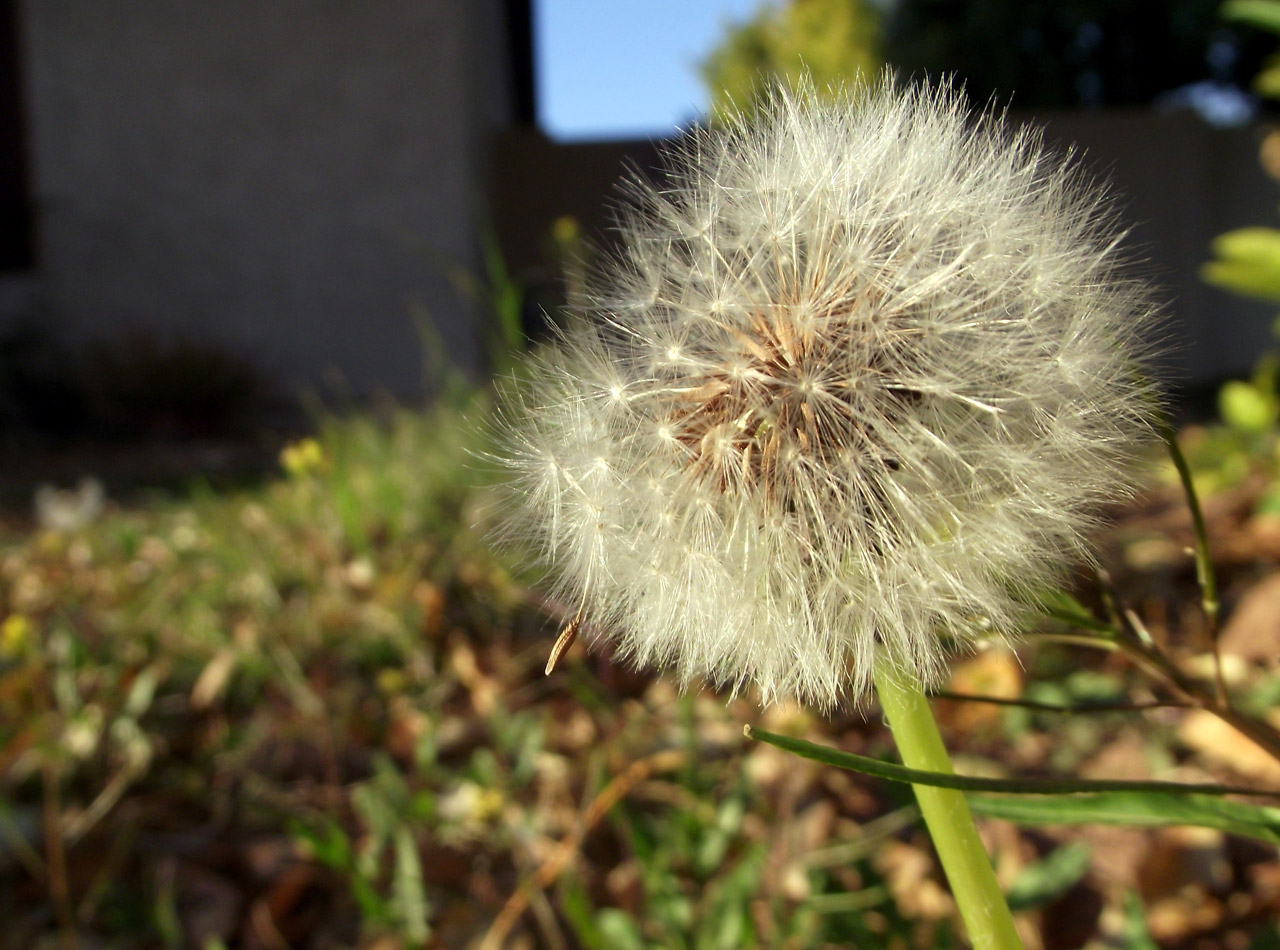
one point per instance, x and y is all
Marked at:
(777, 400)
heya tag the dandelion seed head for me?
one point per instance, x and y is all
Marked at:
(853, 389)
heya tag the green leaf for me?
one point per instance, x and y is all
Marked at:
(1264, 14)
(576, 908)
(142, 692)
(1069, 801)
(970, 783)
(1267, 82)
(327, 843)
(619, 929)
(716, 839)
(409, 898)
(1135, 809)
(1248, 408)
(1061, 606)
(1248, 262)
(506, 303)
(1050, 877)
(380, 823)
(1136, 936)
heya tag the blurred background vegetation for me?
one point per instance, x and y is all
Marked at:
(265, 685)
(1031, 53)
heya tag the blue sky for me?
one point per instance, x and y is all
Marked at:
(625, 68)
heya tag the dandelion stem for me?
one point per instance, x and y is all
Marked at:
(947, 816)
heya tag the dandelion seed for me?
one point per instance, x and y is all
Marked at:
(853, 391)
(565, 640)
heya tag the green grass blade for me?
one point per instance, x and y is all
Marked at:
(1134, 809)
(1204, 558)
(1061, 606)
(1070, 801)
(407, 887)
(1050, 877)
(968, 783)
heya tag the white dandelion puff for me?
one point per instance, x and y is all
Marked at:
(853, 389)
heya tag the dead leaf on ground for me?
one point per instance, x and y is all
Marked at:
(1225, 745)
(1252, 632)
(911, 875)
(994, 672)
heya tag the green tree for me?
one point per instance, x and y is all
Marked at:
(1065, 52)
(833, 40)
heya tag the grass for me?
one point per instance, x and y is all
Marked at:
(333, 664)
(312, 713)
(206, 650)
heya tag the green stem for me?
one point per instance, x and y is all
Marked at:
(1204, 558)
(947, 816)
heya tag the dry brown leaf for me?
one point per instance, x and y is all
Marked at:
(484, 689)
(993, 672)
(213, 679)
(910, 874)
(1188, 912)
(406, 725)
(1252, 632)
(1224, 745)
(1125, 757)
(431, 601)
(1183, 857)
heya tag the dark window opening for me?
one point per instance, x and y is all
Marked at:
(17, 238)
(523, 78)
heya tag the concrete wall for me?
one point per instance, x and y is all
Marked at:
(282, 179)
(1177, 181)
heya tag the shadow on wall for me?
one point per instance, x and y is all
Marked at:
(134, 389)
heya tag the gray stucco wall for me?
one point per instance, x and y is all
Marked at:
(285, 179)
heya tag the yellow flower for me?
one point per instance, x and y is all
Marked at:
(14, 633)
(302, 458)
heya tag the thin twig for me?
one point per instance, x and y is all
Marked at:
(19, 847)
(1157, 666)
(1060, 707)
(1155, 670)
(107, 799)
(555, 863)
(546, 918)
(55, 859)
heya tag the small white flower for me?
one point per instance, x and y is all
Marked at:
(853, 388)
(71, 510)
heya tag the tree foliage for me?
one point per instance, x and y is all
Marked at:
(1035, 52)
(832, 40)
(1065, 52)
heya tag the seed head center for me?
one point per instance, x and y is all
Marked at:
(773, 400)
